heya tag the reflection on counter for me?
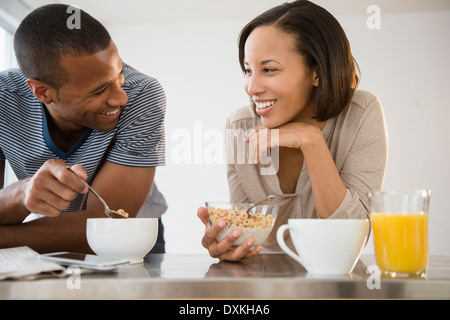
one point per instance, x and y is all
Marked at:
(203, 266)
(274, 265)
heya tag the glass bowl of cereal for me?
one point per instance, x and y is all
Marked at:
(258, 223)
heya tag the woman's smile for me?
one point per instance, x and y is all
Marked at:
(264, 107)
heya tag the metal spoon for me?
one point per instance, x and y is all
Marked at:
(273, 197)
(110, 213)
(261, 202)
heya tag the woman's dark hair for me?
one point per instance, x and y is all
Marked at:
(323, 43)
(44, 35)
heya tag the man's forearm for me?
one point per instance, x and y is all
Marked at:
(64, 233)
(12, 209)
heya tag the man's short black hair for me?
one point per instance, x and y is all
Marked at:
(44, 36)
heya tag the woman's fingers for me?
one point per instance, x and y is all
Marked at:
(260, 140)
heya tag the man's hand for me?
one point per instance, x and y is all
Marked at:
(53, 187)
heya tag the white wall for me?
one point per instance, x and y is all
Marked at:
(196, 62)
(192, 50)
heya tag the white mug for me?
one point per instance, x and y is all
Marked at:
(326, 247)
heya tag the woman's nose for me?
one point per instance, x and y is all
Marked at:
(254, 85)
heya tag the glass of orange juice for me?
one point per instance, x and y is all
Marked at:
(400, 231)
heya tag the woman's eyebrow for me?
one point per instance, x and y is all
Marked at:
(264, 62)
(269, 61)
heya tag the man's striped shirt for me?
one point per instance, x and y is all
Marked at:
(138, 140)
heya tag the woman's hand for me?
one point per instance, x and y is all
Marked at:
(327, 186)
(296, 135)
(221, 249)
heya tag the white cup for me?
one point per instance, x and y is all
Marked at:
(326, 247)
(129, 239)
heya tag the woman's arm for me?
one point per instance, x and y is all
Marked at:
(327, 186)
(337, 193)
(365, 163)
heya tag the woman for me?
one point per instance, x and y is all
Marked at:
(330, 139)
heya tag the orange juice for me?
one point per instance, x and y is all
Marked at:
(401, 242)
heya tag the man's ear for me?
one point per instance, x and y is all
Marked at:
(41, 90)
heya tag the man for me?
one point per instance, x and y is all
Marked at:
(75, 103)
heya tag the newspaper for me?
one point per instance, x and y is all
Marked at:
(22, 263)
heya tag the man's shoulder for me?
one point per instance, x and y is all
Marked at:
(14, 91)
(135, 78)
(141, 86)
(146, 98)
(14, 80)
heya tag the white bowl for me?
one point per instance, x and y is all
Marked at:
(129, 239)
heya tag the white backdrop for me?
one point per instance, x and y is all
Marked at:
(191, 48)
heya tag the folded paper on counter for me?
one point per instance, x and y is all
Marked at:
(22, 263)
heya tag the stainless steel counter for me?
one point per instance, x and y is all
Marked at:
(270, 276)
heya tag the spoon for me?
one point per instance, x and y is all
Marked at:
(110, 213)
(260, 202)
(272, 197)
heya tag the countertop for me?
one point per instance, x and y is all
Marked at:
(267, 276)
